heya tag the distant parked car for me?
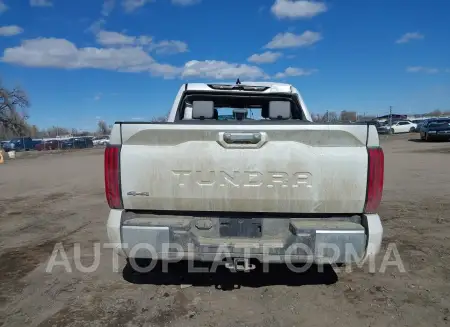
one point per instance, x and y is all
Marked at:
(424, 125)
(401, 126)
(77, 143)
(436, 129)
(421, 124)
(382, 128)
(2, 143)
(21, 144)
(102, 140)
(49, 145)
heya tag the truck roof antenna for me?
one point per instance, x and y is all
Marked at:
(238, 81)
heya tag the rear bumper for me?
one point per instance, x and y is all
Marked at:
(175, 238)
(438, 136)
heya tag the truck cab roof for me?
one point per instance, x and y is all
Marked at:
(266, 87)
(238, 88)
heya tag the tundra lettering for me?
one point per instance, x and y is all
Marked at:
(238, 179)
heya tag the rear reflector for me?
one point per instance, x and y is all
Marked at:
(112, 177)
(375, 180)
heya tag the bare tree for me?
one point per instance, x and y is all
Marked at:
(333, 117)
(102, 128)
(56, 131)
(434, 113)
(348, 116)
(34, 131)
(329, 116)
(315, 117)
(13, 116)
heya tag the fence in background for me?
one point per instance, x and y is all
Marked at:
(49, 144)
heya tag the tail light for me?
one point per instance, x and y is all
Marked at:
(112, 177)
(375, 180)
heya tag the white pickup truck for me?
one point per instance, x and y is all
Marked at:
(239, 173)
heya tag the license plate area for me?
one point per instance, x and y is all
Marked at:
(241, 227)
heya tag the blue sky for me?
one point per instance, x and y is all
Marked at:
(85, 60)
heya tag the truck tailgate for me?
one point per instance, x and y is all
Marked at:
(304, 168)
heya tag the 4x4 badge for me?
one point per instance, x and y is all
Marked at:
(134, 193)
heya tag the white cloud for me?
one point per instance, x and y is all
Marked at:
(10, 30)
(169, 47)
(41, 3)
(96, 26)
(3, 7)
(108, 7)
(266, 57)
(186, 2)
(291, 71)
(110, 38)
(97, 97)
(132, 5)
(409, 36)
(213, 69)
(144, 40)
(421, 69)
(164, 70)
(61, 53)
(114, 38)
(291, 40)
(294, 9)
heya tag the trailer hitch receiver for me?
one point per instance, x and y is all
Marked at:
(240, 264)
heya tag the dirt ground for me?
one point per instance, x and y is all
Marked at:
(59, 198)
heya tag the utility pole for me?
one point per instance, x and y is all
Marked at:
(390, 115)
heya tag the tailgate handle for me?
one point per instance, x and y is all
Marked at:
(242, 138)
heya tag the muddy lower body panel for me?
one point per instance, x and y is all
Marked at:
(266, 239)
